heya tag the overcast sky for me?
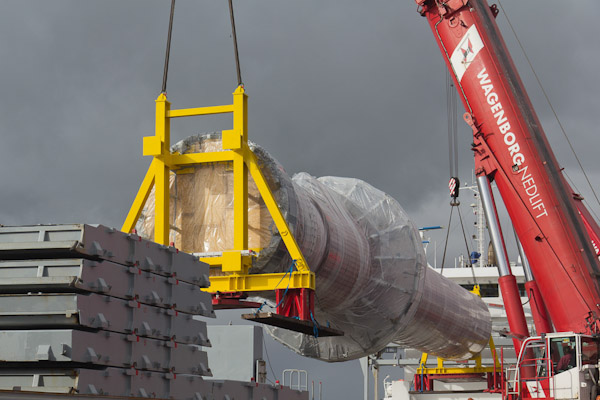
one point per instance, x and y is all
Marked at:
(347, 88)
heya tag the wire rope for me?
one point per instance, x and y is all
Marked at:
(168, 50)
(268, 359)
(583, 298)
(452, 126)
(235, 44)
(550, 104)
(466, 245)
(447, 236)
(570, 180)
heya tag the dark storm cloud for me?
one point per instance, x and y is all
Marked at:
(349, 88)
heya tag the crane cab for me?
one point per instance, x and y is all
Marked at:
(561, 365)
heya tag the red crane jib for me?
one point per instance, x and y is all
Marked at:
(511, 148)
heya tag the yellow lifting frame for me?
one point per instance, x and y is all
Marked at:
(477, 369)
(235, 151)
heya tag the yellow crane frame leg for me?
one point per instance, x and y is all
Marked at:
(235, 263)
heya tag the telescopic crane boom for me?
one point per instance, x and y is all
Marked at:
(510, 148)
(559, 237)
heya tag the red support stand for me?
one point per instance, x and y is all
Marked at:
(295, 311)
(422, 383)
(494, 382)
(295, 303)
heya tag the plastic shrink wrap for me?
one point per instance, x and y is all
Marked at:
(372, 279)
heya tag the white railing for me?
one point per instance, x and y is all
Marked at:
(296, 379)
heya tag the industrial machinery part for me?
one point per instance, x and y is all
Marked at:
(558, 236)
(541, 319)
(506, 281)
(511, 148)
(372, 281)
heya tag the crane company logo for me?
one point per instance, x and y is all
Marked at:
(512, 145)
(465, 52)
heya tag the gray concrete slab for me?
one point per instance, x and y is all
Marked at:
(98, 312)
(98, 242)
(82, 275)
(69, 384)
(68, 348)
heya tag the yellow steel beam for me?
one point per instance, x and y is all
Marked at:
(478, 368)
(212, 261)
(234, 262)
(240, 106)
(456, 370)
(494, 353)
(280, 222)
(178, 160)
(140, 199)
(161, 203)
(261, 282)
(190, 112)
(240, 203)
(161, 172)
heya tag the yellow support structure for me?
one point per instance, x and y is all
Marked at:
(478, 368)
(140, 199)
(260, 282)
(236, 151)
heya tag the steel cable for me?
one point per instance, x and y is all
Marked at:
(235, 45)
(550, 104)
(466, 245)
(452, 126)
(168, 51)
(447, 236)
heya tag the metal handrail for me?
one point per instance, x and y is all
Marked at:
(301, 384)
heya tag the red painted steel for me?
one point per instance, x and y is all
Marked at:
(296, 303)
(514, 310)
(541, 319)
(591, 226)
(511, 147)
(232, 300)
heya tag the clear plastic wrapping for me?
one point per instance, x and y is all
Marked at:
(201, 204)
(372, 280)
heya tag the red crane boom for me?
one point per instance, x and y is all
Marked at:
(557, 232)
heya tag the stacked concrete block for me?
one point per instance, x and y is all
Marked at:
(91, 310)
(95, 384)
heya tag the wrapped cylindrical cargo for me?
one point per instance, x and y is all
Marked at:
(372, 279)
